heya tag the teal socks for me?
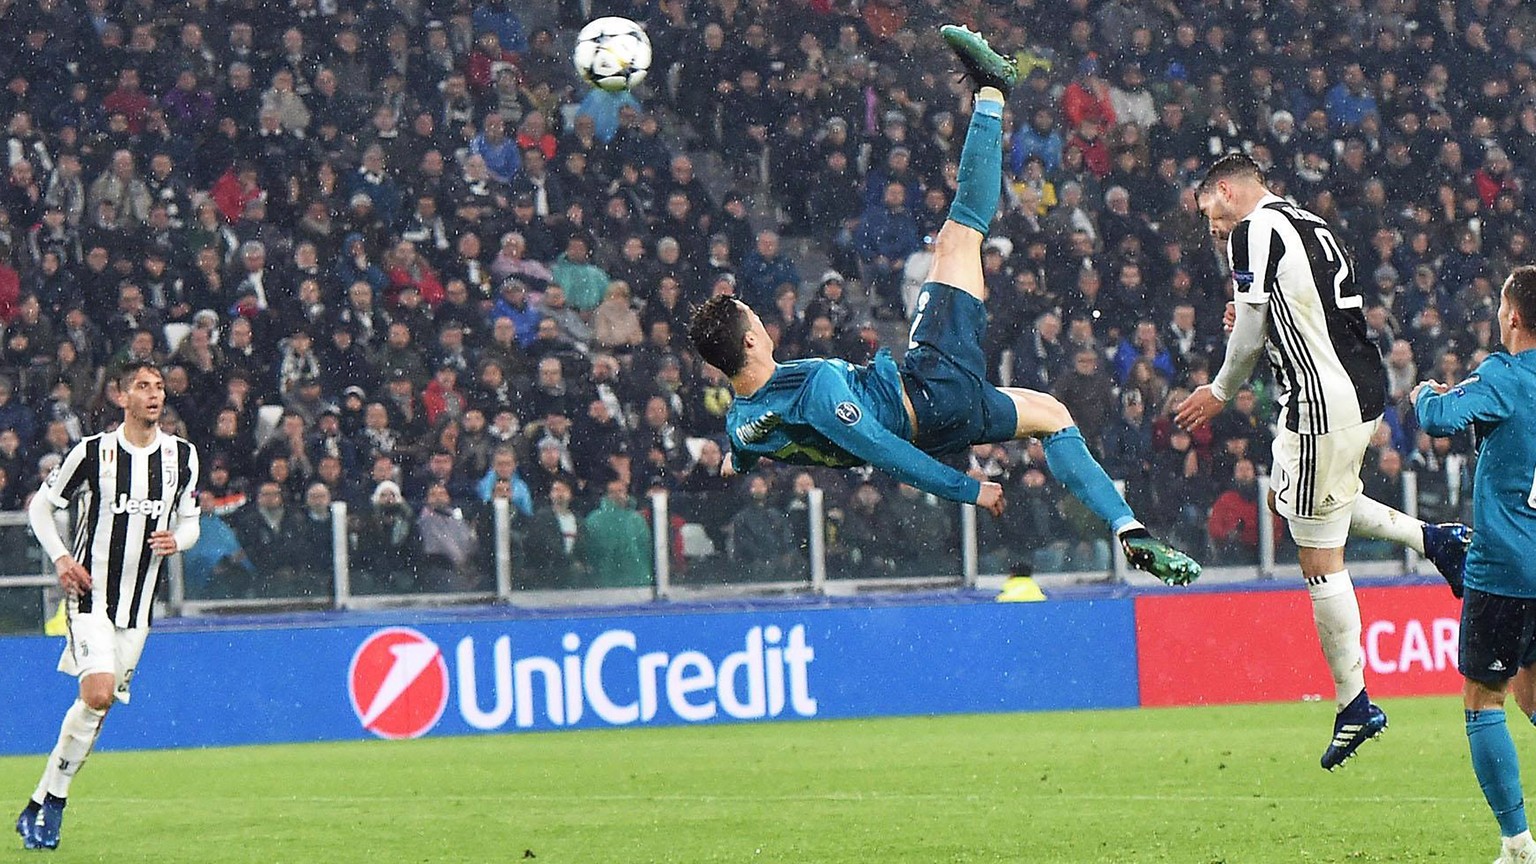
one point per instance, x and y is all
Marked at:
(1498, 769)
(981, 168)
(1066, 454)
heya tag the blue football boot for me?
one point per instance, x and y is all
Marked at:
(1359, 722)
(26, 825)
(1445, 545)
(50, 821)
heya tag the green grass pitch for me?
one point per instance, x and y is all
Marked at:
(1195, 786)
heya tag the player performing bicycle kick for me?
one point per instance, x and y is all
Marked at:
(937, 401)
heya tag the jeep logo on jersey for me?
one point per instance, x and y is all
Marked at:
(848, 412)
(154, 509)
(398, 683)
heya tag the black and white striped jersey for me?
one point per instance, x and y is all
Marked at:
(1328, 372)
(122, 494)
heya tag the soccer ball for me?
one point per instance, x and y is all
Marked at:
(612, 54)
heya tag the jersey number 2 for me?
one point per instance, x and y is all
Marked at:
(1530, 500)
(1341, 276)
(922, 304)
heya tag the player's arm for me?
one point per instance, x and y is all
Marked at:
(188, 517)
(1250, 251)
(55, 494)
(738, 461)
(880, 447)
(1445, 410)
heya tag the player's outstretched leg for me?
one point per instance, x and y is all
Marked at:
(979, 183)
(1041, 415)
(1445, 545)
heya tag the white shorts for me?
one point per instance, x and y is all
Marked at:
(1316, 479)
(96, 645)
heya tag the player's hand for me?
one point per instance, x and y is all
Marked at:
(1198, 409)
(728, 466)
(163, 543)
(1418, 390)
(1229, 318)
(991, 499)
(74, 579)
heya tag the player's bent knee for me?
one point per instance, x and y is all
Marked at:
(1039, 413)
(1482, 696)
(96, 691)
(97, 701)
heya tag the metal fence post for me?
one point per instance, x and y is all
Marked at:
(970, 561)
(1266, 531)
(341, 564)
(1411, 507)
(661, 547)
(816, 513)
(501, 512)
(178, 585)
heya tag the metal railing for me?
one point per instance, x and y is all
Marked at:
(513, 581)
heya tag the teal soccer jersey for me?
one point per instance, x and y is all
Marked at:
(1499, 402)
(836, 414)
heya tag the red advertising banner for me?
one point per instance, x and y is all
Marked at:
(1260, 646)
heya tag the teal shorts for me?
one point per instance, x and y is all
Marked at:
(945, 374)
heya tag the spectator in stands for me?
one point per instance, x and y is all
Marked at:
(448, 541)
(554, 553)
(762, 542)
(271, 536)
(317, 538)
(617, 542)
(387, 544)
(887, 235)
(1234, 520)
(513, 306)
(763, 271)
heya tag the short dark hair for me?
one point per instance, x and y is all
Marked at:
(717, 330)
(127, 371)
(1227, 167)
(1522, 292)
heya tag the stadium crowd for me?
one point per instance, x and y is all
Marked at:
(396, 254)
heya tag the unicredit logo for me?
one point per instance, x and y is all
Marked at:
(398, 683)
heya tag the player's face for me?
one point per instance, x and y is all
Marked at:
(762, 344)
(1217, 207)
(143, 397)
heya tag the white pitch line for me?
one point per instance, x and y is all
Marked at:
(822, 796)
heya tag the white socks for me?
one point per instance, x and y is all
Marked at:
(77, 735)
(1337, 616)
(1374, 519)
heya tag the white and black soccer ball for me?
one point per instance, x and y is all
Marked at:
(612, 54)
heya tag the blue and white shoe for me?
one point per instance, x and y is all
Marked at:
(26, 825)
(50, 821)
(1359, 722)
(1445, 545)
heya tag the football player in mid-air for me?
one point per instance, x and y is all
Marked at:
(938, 401)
